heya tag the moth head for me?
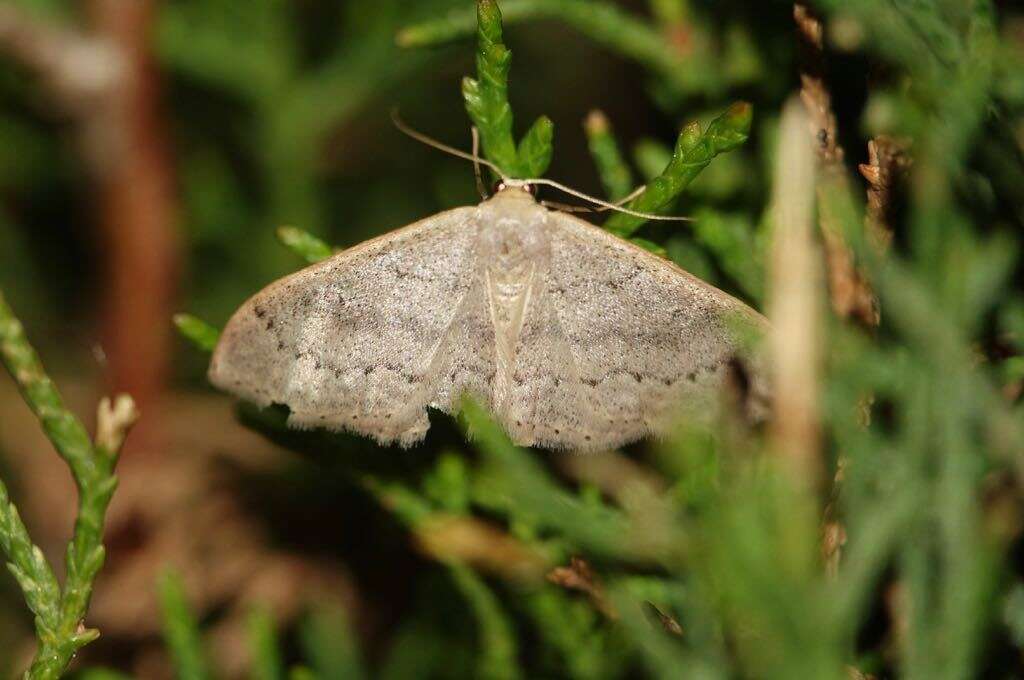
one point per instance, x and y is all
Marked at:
(505, 184)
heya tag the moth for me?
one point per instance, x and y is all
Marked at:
(573, 338)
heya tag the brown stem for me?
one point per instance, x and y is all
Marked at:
(850, 292)
(793, 306)
(581, 577)
(131, 158)
(887, 159)
(107, 81)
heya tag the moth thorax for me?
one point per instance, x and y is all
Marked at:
(514, 247)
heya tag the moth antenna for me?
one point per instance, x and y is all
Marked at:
(597, 201)
(565, 207)
(480, 187)
(633, 194)
(441, 146)
(508, 181)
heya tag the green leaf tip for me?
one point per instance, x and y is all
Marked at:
(488, 16)
(478, 424)
(732, 129)
(611, 166)
(694, 151)
(304, 244)
(181, 630)
(198, 332)
(448, 484)
(486, 98)
(264, 647)
(59, 611)
(602, 21)
(536, 148)
(689, 138)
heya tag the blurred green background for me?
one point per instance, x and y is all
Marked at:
(150, 150)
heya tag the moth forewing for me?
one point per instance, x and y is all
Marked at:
(574, 338)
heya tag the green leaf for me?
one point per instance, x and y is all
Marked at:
(731, 240)
(694, 151)
(497, 659)
(330, 645)
(1013, 370)
(513, 482)
(536, 148)
(198, 332)
(1013, 613)
(611, 166)
(1011, 323)
(407, 505)
(101, 674)
(264, 648)
(603, 22)
(487, 96)
(448, 484)
(181, 631)
(304, 244)
(651, 157)
(488, 107)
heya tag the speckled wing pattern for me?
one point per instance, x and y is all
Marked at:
(356, 342)
(574, 338)
(623, 342)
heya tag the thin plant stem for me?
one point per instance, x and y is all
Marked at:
(60, 612)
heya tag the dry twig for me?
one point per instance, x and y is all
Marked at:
(670, 625)
(794, 305)
(850, 291)
(887, 159)
(580, 576)
(466, 540)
